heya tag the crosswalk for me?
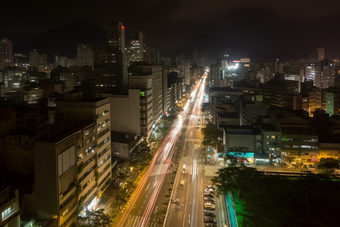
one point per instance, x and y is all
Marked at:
(136, 221)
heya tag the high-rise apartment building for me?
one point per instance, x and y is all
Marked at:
(136, 49)
(43, 60)
(70, 171)
(6, 53)
(155, 56)
(110, 64)
(325, 74)
(97, 110)
(309, 73)
(157, 73)
(116, 37)
(321, 54)
(271, 68)
(84, 55)
(34, 58)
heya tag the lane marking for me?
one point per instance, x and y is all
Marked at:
(147, 187)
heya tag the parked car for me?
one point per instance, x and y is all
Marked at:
(209, 206)
(211, 187)
(209, 220)
(210, 225)
(209, 190)
(208, 195)
(209, 213)
(208, 199)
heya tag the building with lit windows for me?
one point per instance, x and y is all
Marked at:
(84, 55)
(136, 49)
(68, 173)
(325, 74)
(140, 76)
(299, 141)
(34, 58)
(93, 109)
(110, 65)
(134, 115)
(6, 54)
(9, 206)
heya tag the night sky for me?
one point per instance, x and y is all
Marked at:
(287, 29)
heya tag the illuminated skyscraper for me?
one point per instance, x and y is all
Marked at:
(116, 37)
(110, 64)
(136, 49)
(6, 53)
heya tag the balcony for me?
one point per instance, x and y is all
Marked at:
(90, 193)
(101, 134)
(101, 165)
(63, 197)
(87, 175)
(87, 166)
(67, 210)
(89, 184)
(104, 175)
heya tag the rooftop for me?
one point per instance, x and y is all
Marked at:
(119, 137)
(56, 138)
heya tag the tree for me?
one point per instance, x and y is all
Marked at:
(94, 218)
(204, 108)
(211, 134)
(280, 201)
(328, 165)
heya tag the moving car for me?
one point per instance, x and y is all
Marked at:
(209, 206)
(209, 213)
(209, 220)
(208, 195)
(208, 199)
(182, 182)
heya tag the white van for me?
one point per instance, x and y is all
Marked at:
(184, 167)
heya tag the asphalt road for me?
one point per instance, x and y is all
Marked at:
(140, 212)
(188, 211)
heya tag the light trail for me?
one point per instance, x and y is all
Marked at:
(167, 149)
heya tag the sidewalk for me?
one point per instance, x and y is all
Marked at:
(108, 197)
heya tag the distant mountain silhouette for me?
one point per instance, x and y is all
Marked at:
(64, 40)
(204, 42)
(17, 38)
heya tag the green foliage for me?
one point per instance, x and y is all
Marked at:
(132, 144)
(80, 204)
(79, 189)
(142, 156)
(328, 165)
(279, 201)
(95, 218)
(96, 175)
(204, 108)
(211, 134)
(81, 168)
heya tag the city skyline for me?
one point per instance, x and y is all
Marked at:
(268, 29)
